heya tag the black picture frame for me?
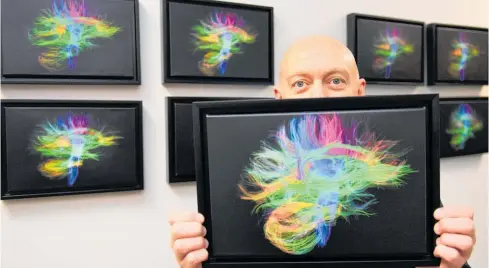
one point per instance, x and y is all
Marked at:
(168, 78)
(352, 43)
(432, 58)
(429, 101)
(473, 145)
(77, 79)
(138, 179)
(181, 164)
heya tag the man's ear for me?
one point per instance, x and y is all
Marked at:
(277, 94)
(361, 87)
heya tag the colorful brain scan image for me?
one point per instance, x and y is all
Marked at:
(464, 123)
(460, 55)
(68, 143)
(314, 171)
(65, 31)
(387, 49)
(220, 36)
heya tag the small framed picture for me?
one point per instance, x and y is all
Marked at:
(181, 163)
(463, 126)
(457, 54)
(53, 148)
(70, 42)
(217, 43)
(291, 183)
(387, 50)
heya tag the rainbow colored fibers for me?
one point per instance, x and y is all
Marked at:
(66, 144)
(319, 172)
(464, 123)
(389, 47)
(220, 36)
(65, 31)
(462, 52)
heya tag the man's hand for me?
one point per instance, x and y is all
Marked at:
(187, 239)
(456, 229)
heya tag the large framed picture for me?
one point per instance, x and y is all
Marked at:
(70, 42)
(54, 147)
(319, 182)
(457, 54)
(463, 123)
(181, 163)
(217, 42)
(387, 50)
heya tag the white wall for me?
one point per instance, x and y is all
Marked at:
(127, 230)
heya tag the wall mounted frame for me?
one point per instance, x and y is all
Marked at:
(54, 148)
(100, 48)
(463, 123)
(189, 56)
(221, 157)
(457, 55)
(387, 50)
(181, 164)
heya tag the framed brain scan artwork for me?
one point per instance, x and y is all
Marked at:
(457, 55)
(54, 148)
(387, 50)
(217, 42)
(70, 42)
(463, 123)
(319, 182)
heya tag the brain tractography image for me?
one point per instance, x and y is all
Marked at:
(65, 31)
(220, 37)
(388, 48)
(317, 175)
(66, 144)
(464, 125)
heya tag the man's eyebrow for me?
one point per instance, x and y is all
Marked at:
(296, 74)
(341, 70)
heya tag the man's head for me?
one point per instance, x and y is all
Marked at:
(316, 67)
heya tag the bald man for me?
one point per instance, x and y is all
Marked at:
(319, 67)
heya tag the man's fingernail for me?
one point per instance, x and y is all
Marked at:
(206, 243)
(437, 241)
(205, 231)
(435, 252)
(200, 218)
(438, 213)
(437, 228)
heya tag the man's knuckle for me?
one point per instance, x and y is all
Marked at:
(452, 256)
(180, 247)
(471, 226)
(202, 241)
(193, 258)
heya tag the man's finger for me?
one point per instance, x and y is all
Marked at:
(181, 230)
(194, 259)
(185, 217)
(182, 247)
(450, 257)
(463, 226)
(462, 243)
(453, 212)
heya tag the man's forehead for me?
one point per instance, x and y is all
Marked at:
(310, 61)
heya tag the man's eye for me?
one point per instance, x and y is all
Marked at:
(336, 81)
(299, 84)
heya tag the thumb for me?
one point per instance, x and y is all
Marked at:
(191, 266)
(445, 264)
